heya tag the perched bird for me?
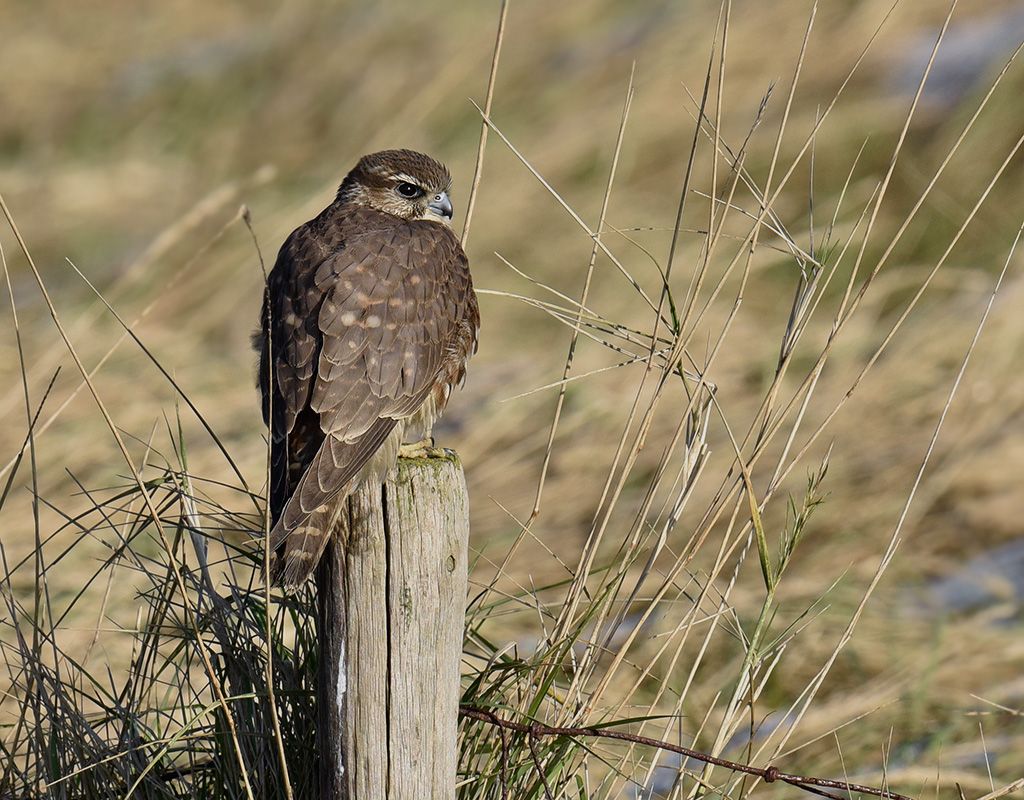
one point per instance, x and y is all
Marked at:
(368, 321)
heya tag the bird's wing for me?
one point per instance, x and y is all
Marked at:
(391, 298)
(289, 343)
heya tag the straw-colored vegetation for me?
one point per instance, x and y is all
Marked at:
(727, 538)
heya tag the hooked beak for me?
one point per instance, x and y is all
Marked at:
(441, 205)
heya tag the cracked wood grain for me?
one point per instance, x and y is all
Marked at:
(391, 615)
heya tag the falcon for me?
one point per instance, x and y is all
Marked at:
(368, 321)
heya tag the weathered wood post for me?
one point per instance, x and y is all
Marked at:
(392, 609)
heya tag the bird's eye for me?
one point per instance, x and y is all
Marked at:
(409, 190)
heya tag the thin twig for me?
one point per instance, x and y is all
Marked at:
(769, 774)
(535, 733)
(504, 763)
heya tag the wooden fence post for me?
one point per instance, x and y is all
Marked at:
(392, 609)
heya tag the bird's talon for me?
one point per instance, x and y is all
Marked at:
(421, 449)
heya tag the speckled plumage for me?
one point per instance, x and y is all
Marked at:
(369, 321)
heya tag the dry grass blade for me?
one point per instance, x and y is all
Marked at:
(572, 213)
(478, 170)
(1003, 791)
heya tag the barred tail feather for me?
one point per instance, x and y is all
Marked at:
(310, 516)
(298, 551)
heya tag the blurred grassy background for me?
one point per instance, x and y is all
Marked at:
(132, 133)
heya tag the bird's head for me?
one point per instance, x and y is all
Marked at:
(402, 183)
